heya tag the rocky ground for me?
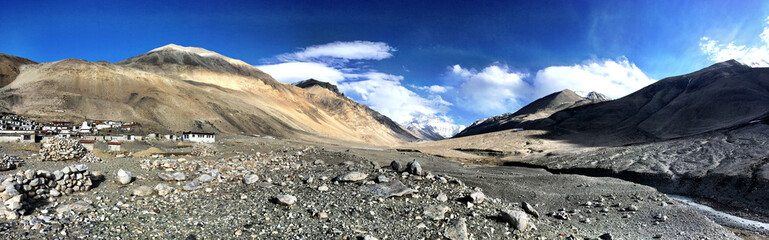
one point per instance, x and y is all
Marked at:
(253, 188)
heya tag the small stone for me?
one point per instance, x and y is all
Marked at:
(77, 207)
(283, 199)
(457, 230)
(631, 208)
(477, 197)
(124, 177)
(436, 212)
(250, 179)
(165, 176)
(351, 177)
(530, 209)
(142, 191)
(163, 189)
(191, 186)
(368, 237)
(322, 215)
(34, 182)
(414, 167)
(29, 174)
(323, 188)
(382, 179)
(517, 219)
(13, 203)
(179, 176)
(54, 192)
(238, 232)
(205, 178)
(395, 166)
(319, 162)
(442, 197)
(58, 175)
(81, 167)
(606, 236)
(393, 189)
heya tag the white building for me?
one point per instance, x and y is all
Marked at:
(199, 137)
(85, 128)
(88, 144)
(114, 146)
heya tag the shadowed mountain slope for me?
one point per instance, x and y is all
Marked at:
(529, 114)
(723, 95)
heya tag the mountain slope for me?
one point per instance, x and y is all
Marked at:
(180, 89)
(10, 68)
(327, 97)
(529, 114)
(723, 95)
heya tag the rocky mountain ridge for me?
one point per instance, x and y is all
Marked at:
(536, 110)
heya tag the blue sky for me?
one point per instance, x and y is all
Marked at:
(458, 60)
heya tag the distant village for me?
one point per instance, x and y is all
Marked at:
(14, 128)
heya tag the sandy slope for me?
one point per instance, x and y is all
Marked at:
(180, 90)
(10, 68)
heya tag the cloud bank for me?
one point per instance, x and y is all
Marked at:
(291, 72)
(754, 56)
(614, 78)
(497, 89)
(492, 89)
(357, 50)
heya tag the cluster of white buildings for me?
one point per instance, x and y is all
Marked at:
(14, 128)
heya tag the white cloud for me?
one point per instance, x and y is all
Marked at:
(494, 89)
(291, 72)
(385, 93)
(433, 88)
(437, 89)
(755, 56)
(613, 78)
(356, 50)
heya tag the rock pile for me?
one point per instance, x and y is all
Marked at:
(25, 187)
(62, 149)
(89, 157)
(203, 150)
(8, 162)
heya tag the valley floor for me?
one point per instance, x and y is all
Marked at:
(223, 206)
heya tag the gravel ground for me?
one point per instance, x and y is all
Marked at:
(226, 207)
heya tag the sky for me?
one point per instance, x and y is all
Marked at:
(456, 61)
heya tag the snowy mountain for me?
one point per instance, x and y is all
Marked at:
(431, 127)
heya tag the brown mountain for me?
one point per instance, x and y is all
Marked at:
(182, 88)
(10, 68)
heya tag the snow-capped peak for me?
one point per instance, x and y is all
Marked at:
(199, 51)
(432, 127)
